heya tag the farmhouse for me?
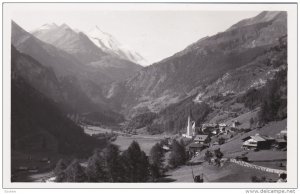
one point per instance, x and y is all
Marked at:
(258, 142)
(235, 123)
(201, 139)
(195, 148)
(280, 143)
(210, 128)
(222, 125)
(222, 128)
(282, 134)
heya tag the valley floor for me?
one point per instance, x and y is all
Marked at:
(124, 140)
(229, 172)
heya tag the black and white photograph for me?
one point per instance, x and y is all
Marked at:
(149, 94)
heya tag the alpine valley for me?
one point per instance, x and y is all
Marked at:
(65, 80)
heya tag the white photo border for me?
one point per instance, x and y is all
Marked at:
(292, 120)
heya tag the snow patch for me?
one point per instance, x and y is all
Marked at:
(110, 44)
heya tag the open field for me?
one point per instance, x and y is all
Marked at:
(145, 142)
(228, 173)
(94, 130)
(124, 140)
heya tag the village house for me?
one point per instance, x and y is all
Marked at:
(195, 148)
(201, 139)
(280, 143)
(282, 134)
(257, 142)
(216, 131)
(199, 143)
(223, 128)
(222, 125)
(210, 128)
(235, 123)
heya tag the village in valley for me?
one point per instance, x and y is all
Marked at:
(260, 151)
(211, 149)
(215, 111)
(235, 150)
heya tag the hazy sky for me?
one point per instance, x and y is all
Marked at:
(154, 34)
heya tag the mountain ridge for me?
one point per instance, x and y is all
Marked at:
(91, 56)
(200, 64)
(110, 44)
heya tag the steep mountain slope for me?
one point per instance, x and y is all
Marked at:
(94, 59)
(256, 91)
(48, 55)
(114, 67)
(110, 44)
(38, 125)
(44, 80)
(80, 86)
(67, 92)
(40, 77)
(63, 63)
(192, 70)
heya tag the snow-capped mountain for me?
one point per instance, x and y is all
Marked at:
(67, 39)
(110, 44)
(48, 27)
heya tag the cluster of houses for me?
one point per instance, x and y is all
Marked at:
(208, 128)
(201, 137)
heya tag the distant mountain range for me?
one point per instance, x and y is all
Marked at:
(51, 81)
(93, 74)
(89, 47)
(84, 70)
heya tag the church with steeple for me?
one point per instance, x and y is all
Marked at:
(191, 127)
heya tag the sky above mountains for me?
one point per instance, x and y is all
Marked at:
(154, 34)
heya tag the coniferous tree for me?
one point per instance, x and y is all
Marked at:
(113, 163)
(61, 165)
(156, 160)
(136, 164)
(75, 173)
(95, 169)
(219, 156)
(178, 154)
(208, 155)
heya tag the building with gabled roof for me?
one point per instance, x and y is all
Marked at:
(258, 141)
(201, 139)
(195, 148)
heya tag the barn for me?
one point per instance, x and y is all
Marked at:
(257, 142)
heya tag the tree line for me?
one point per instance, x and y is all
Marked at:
(112, 165)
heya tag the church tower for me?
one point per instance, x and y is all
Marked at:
(190, 129)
